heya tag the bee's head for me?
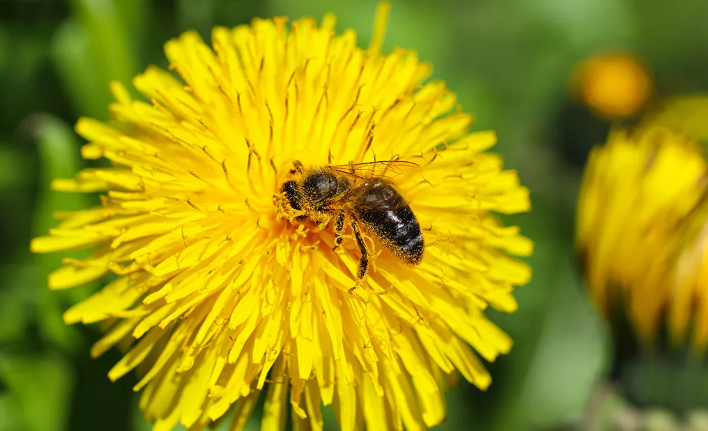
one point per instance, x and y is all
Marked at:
(292, 194)
(291, 188)
(318, 187)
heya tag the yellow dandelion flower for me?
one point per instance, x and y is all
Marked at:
(614, 85)
(683, 114)
(223, 289)
(641, 219)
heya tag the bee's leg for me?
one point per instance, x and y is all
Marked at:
(338, 228)
(364, 262)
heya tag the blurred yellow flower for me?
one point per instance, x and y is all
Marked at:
(220, 296)
(615, 85)
(641, 231)
(687, 115)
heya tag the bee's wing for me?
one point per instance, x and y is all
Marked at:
(374, 195)
(380, 168)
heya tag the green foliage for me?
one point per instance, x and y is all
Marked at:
(32, 406)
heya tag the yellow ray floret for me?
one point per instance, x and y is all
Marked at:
(222, 297)
(641, 219)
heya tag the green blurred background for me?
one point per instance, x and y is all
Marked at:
(509, 61)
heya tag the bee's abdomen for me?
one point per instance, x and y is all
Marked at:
(398, 230)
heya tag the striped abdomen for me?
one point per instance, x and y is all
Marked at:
(398, 230)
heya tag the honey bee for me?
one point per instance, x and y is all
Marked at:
(353, 196)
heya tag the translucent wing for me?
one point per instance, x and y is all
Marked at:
(374, 195)
(380, 168)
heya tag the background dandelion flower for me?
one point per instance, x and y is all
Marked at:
(641, 235)
(683, 114)
(640, 215)
(220, 297)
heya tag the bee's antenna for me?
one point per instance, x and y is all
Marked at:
(298, 166)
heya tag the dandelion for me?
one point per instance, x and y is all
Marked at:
(641, 232)
(615, 86)
(220, 294)
(683, 114)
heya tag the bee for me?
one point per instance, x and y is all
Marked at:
(353, 196)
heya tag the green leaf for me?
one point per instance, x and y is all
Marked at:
(94, 47)
(198, 15)
(10, 419)
(38, 390)
(13, 172)
(109, 40)
(72, 58)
